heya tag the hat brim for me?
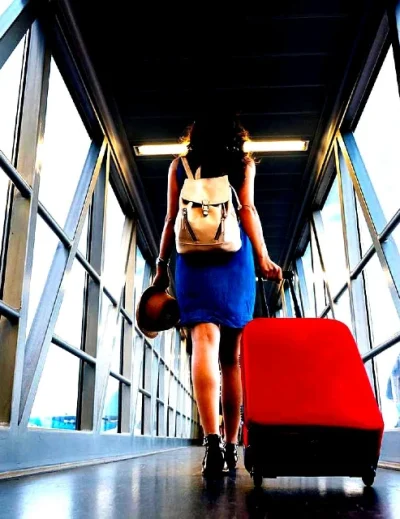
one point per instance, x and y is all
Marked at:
(139, 311)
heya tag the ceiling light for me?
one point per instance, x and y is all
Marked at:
(256, 146)
(161, 149)
(268, 146)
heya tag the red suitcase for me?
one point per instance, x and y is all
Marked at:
(309, 409)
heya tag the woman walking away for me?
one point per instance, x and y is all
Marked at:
(215, 286)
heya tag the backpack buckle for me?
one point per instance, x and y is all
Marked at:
(205, 205)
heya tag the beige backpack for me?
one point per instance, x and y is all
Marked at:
(206, 221)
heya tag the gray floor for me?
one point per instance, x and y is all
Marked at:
(169, 485)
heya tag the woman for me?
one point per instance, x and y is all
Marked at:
(216, 292)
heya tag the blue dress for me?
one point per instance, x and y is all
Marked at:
(216, 288)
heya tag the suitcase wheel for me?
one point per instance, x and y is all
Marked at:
(369, 477)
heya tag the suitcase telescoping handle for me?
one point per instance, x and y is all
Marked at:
(288, 275)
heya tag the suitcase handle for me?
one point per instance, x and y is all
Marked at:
(288, 275)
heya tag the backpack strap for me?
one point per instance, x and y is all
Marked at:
(239, 205)
(188, 171)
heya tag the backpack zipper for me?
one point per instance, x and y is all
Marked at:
(187, 225)
(221, 224)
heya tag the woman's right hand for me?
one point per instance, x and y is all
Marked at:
(161, 278)
(270, 270)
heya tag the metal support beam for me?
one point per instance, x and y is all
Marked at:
(19, 255)
(319, 234)
(46, 315)
(112, 319)
(14, 23)
(128, 338)
(358, 303)
(387, 253)
(93, 302)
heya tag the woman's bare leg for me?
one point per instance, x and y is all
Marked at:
(205, 374)
(231, 382)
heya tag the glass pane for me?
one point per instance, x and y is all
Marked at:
(396, 236)
(56, 400)
(82, 246)
(139, 275)
(115, 219)
(138, 420)
(45, 246)
(109, 421)
(318, 280)
(64, 149)
(116, 345)
(70, 319)
(160, 420)
(365, 235)
(289, 303)
(378, 137)
(10, 78)
(171, 423)
(334, 241)
(173, 392)
(4, 5)
(309, 276)
(385, 321)
(343, 312)
(388, 367)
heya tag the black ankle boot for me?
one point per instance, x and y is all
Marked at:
(214, 458)
(231, 455)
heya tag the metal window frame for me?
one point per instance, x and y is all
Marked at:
(78, 444)
(22, 222)
(386, 249)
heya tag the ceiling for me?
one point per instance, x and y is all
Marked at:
(281, 71)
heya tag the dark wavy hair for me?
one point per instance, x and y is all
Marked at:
(215, 142)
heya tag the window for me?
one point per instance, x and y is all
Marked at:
(64, 150)
(309, 276)
(334, 240)
(110, 417)
(318, 278)
(388, 367)
(385, 321)
(116, 344)
(56, 400)
(45, 246)
(115, 219)
(365, 235)
(138, 420)
(396, 236)
(4, 5)
(70, 318)
(378, 136)
(343, 312)
(139, 276)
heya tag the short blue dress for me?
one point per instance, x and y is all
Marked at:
(216, 288)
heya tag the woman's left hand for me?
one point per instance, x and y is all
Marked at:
(161, 279)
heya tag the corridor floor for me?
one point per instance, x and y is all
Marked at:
(170, 485)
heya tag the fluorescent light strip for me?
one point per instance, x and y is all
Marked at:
(269, 146)
(257, 146)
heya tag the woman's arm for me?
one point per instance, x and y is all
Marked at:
(252, 226)
(167, 237)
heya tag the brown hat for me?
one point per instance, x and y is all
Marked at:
(156, 311)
